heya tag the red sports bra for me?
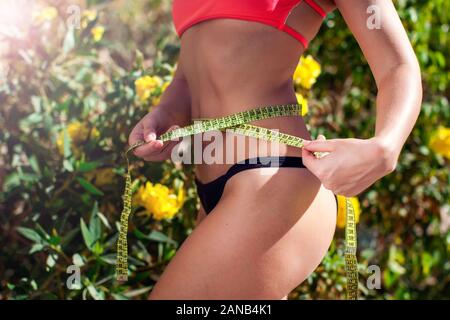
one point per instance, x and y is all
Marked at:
(187, 13)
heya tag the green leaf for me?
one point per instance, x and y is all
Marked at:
(33, 118)
(154, 236)
(97, 249)
(37, 247)
(97, 295)
(34, 164)
(87, 236)
(427, 263)
(66, 144)
(89, 187)
(43, 232)
(36, 102)
(87, 166)
(119, 296)
(10, 286)
(30, 234)
(51, 260)
(77, 260)
(109, 258)
(137, 292)
(160, 237)
(69, 40)
(11, 181)
(55, 240)
(95, 226)
(104, 220)
(30, 177)
(67, 164)
(169, 254)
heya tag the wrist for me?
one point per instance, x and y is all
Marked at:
(387, 152)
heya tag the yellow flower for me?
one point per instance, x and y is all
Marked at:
(440, 141)
(173, 69)
(88, 16)
(97, 33)
(164, 86)
(306, 72)
(159, 201)
(101, 177)
(303, 102)
(146, 85)
(156, 100)
(78, 133)
(341, 210)
(95, 134)
(46, 14)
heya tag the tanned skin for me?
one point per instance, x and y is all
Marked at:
(270, 231)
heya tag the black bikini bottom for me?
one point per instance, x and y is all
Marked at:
(211, 192)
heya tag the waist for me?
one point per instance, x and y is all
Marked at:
(214, 100)
(219, 150)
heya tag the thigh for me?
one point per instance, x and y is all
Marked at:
(266, 235)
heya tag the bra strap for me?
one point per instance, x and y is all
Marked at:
(316, 8)
(295, 34)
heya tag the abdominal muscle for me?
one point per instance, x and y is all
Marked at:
(234, 65)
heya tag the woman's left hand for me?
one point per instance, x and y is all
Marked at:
(351, 165)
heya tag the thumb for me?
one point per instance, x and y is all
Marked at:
(171, 128)
(320, 137)
(149, 126)
(308, 158)
(174, 127)
(321, 144)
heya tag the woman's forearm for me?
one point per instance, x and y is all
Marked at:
(398, 106)
(175, 102)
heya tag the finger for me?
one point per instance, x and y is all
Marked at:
(150, 128)
(137, 134)
(154, 149)
(318, 154)
(318, 166)
(173, 128)
(149, 149)
(308, 159)
(320, 145)
(164, 153)
(320, 137)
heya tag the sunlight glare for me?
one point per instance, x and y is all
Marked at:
(15, 15)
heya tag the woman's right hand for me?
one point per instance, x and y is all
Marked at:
(147, 129)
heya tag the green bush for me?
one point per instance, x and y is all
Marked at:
(68, 101)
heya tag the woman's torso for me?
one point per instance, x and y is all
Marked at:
(234, 65)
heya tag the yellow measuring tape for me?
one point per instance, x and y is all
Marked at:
(239, 123)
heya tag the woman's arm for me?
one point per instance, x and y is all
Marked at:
(173, 111)
(176, 99)
(394, 66)
(397, 76)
